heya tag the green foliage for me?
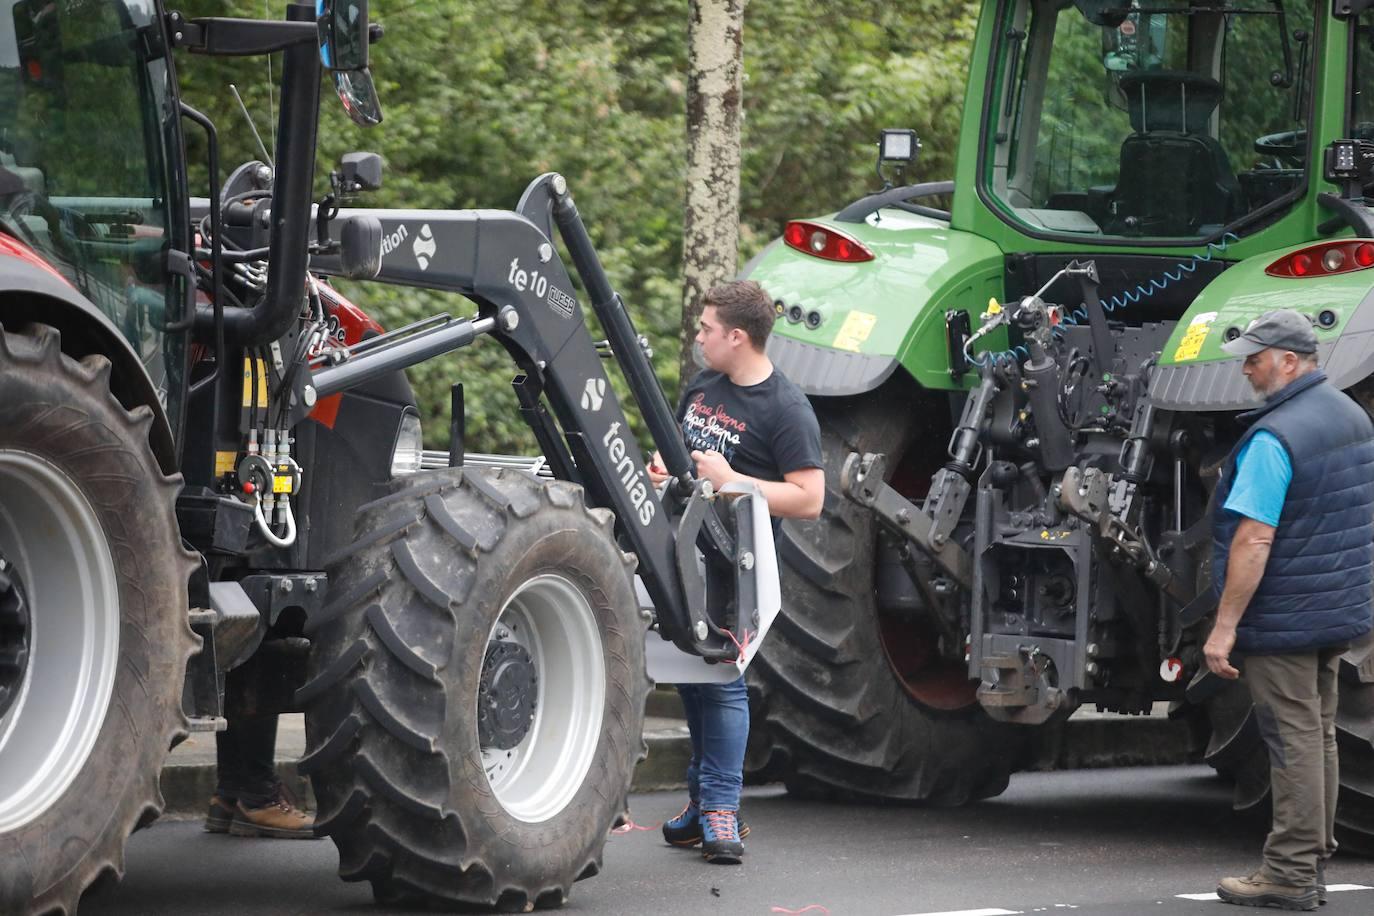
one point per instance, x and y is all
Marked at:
(479, 99)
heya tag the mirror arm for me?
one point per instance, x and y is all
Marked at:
(225, 37)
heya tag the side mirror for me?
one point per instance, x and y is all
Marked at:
(344, 39)
(360, 247)
(343, 33)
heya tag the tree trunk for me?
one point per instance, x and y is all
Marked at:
(710, 238)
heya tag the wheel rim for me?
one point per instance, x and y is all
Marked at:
(551, 620)
(52, 537)
(912, 653)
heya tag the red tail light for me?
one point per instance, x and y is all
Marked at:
(824, 242)
(1325, 259)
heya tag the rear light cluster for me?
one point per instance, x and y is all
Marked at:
(1325, 259)
(824, 242)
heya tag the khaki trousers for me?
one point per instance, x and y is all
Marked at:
(1295, 707)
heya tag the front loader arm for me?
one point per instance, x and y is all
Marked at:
(509, 267)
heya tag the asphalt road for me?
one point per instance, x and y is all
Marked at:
(1117, 842)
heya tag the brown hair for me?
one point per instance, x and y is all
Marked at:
(745, 305)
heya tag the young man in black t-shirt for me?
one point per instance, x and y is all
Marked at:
(742, 420)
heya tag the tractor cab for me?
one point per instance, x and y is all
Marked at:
(89, 152)
(1168, 119)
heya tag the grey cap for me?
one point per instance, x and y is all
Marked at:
(1282, 329)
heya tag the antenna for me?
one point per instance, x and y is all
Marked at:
(251, 126)
(271, 115)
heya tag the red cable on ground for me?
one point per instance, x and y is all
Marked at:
(630, 826)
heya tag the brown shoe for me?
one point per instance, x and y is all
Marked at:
(1258, 890)
(220, 814)
(280, 819)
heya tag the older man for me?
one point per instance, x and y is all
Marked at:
(1293, 542)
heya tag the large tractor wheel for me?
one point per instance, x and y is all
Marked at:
(849, 699)
(476, 697)
(93, 624)
(1237, 751)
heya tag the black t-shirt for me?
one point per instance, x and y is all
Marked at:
(765, 430)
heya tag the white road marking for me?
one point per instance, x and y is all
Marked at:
(990, 911)
(1330, 889)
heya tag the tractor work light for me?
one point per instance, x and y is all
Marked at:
(898, 146)
(824, 242)
(1325, 259)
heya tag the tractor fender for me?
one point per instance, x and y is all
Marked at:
(1196, 375)
(844, 329)
(30, 290)
(820, 371)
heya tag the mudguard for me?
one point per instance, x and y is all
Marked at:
(1194, 373)
(844, 328)
(32, 291)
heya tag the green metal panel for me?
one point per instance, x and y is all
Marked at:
(1245, 291)
(893, 305)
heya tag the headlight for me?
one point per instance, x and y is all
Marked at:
(405, 457)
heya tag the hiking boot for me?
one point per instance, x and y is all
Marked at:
(684, 830)
(280, 819)
(720, 841)
(220, 814)
(1258, 890)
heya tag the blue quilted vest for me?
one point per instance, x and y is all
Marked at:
(1316, 590)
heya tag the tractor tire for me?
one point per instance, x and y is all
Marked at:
(1237, 751)
(93, 624)
(846, 703)
(475, 698)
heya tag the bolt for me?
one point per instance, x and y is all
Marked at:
(263, 175)
(938, 540)
(311, 585)
(746, 561)
(1092, 650)
(510, 318)
(286, 586)
(903, 517)
(502, 633)
(309, 396)
(560, 185)
(701, 629)
(177, 36)
(545, 252)
(1091, 668)
(707, 489)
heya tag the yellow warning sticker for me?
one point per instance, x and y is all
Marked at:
(248, 383)
(224, 463)
(1191, 344)
(855, 330)
(281, 484)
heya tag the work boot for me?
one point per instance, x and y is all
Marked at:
(720, 840)
(1257, 890)
(221, 814)
(280, 819)
(685, 830)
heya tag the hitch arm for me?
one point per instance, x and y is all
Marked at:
(861, 479)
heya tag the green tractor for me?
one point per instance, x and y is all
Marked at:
(1019, 507)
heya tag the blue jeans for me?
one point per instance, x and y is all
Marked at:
(718, 720)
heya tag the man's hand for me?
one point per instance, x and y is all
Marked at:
(657, 472)
(1218, 651)
(712, 466)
